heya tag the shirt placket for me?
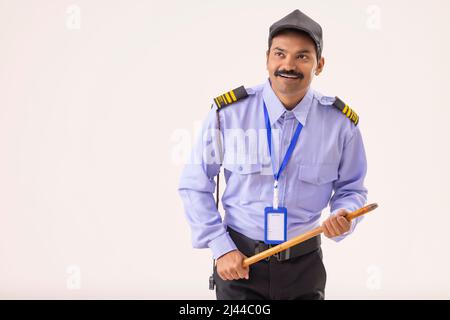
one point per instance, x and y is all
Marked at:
(286, 137)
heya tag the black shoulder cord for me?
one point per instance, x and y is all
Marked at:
(219, 142)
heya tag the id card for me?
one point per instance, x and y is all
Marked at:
(275, 225)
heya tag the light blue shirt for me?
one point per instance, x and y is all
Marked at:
(328, 166)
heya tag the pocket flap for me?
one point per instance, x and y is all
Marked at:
(318, 173)
(243, 168)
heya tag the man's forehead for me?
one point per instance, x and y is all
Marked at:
(296, 49)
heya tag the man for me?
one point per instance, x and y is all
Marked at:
(310, 154)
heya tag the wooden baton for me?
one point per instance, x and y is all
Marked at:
(303, 237)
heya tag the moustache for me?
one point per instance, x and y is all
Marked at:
(298, 75)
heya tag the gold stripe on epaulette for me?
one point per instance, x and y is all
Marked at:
(217, 103)
(221, 101)
(230, 97)
(233, 96)
(349, 113)
(345, 109)
(227, 96)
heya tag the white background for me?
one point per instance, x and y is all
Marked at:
(98, 100)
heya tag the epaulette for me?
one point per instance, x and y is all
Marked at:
(341, 105)
(230, 97)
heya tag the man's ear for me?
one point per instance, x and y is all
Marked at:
(320, 66)
(267, 58)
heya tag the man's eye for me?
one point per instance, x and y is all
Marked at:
(279, 54)
(302, 57)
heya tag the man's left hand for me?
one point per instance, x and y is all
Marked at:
(336, 224)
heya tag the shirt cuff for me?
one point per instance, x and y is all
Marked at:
(221, 245)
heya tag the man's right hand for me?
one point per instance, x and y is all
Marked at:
(229, 266)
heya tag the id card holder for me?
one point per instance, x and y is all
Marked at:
(275, 225)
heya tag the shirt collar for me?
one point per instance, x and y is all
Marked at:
(276, 109)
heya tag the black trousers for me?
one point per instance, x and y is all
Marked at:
(302, 277)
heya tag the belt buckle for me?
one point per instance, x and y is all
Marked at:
(283, 255)
(277, 255)
(263, 247)
(280, 256)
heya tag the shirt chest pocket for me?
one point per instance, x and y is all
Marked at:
(251, 181)
(315, 185)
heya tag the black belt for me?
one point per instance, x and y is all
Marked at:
(250, 247)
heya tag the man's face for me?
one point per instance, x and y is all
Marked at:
(292, 63)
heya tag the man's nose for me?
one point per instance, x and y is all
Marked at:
(290, 64)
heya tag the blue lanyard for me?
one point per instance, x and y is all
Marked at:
(289, 150)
